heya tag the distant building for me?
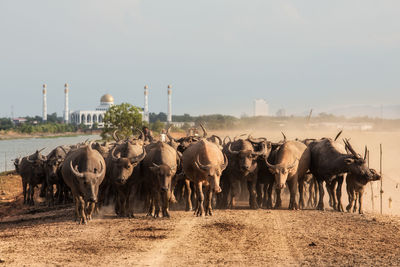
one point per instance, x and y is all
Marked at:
(89, 117)
(260, 107)
(19, 120)
(281, 112)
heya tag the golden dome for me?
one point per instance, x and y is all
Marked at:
(107, 98)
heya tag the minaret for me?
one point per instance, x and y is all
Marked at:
(66, 109)
(169, 116)
(44, 117)
(146, 104)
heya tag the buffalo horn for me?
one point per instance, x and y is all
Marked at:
(204, 130)
(227, 137)
(232, 151)
(140, 157)
(201, 166)
(337, 136)
(75, 170)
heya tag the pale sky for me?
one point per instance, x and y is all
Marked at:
(218, 55)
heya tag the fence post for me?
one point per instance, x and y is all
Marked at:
(380, 172)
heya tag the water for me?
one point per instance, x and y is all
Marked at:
(11, 149)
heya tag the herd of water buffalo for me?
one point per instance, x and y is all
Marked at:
(203, 169)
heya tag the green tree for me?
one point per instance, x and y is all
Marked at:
(122, 118)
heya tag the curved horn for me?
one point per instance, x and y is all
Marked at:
(114, 158)
(201, 166)
(63, 149)
(140, 157)
(223, 167)
(365, 153)
(103, 170)
(284, 137)
(350, 148)
(204, 130)
(29, 160)
(217, 137)
(232, 151)
(75, 170)
(270, 165)
(141, 134)
(261, 152)
(90, 145)
(337, 136)
(257, 141)
(169, 135)
(115, 136)
(227, 137)
(41, 150)
(235, 138)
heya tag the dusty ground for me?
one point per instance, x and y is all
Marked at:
(41, 236)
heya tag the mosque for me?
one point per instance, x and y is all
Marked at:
(89, 117)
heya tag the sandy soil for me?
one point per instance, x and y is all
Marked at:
(230, 237)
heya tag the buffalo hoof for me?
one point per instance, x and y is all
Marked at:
(361, 212)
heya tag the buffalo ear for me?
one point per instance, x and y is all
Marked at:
(271, 170)
(349, 161)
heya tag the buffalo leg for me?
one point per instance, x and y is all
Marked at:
(189, 206)
(278, 202)
(208, 200)
(293, 190)
(321, 194)
(339, 193)
(251, 186)
(301, 193)
(259, 191)
(360, 202)
(351, 195)
(165, 204)
(200, 200)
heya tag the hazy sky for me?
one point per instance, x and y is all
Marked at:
(218, 55)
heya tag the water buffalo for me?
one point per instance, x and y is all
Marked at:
(203, 163)
(83, 171)
(31, 169)
(121, 162)
(243, 168)
(53, 174)
(355, 186)
(291, 164)
(157, 171)
(330, 159)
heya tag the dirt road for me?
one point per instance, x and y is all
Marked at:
(231, 237)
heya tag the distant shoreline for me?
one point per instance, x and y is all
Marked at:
(14, 135)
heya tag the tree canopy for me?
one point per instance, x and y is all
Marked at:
(122, 118)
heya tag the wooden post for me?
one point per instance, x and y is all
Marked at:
(372, 188)
(380, 172)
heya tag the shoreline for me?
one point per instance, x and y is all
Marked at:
(14, 135)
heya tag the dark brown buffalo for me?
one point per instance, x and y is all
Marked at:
(243, 168)
(83, 171)
(121, 162)
(52, 168)
(31, 169)
(330, 159)
(355, 186)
